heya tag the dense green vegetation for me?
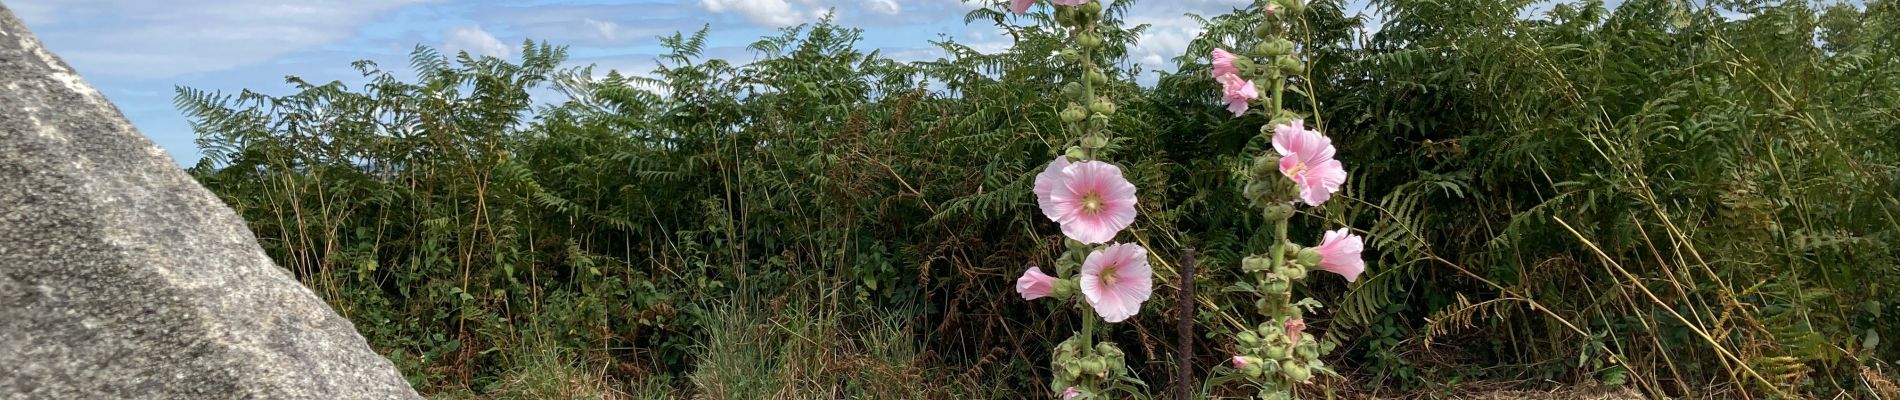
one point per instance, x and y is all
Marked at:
(1687, 198)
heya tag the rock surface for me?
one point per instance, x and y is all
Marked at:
(121, 277)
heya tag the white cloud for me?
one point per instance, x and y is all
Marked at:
(162, 39)
(607, 29)
(886, 7)
(764, 12)
(475, 41)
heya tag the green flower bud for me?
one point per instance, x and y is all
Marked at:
(1074, 114)
(1278, 212)
(1093, 8)
(1089, 40)
(1266, 30)
(1307, 257)
(1265, 165)
(1274, 353)
(1094, 141)
(1072, 90)
(1102, 106)
(1098, 121)
(1295, 371)
(1281, 46)
(1277, 286)
(1265, 49)
(1296, 273)
(1094, 366)
(1290, 65)
(1247, 338)
(1255, 263)
(1075, 152)
(1097, 77)
(1064, 289)
(1065, 16)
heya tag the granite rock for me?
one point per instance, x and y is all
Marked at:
(122, 278)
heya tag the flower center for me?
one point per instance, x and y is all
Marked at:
(1108, 276)
(1092, 203)
(1297, 168)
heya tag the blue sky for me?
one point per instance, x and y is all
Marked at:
(137, 51)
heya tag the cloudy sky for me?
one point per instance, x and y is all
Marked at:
(137, 51)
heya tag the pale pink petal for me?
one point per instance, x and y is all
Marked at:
(1224, 63)
(1034, 284)
(1236, 92)
(1070, 393)
(1294, 327)
(1116, 280)
(1339, 253)
(1240, 362)
(1020, 6)
(1306, 157)
(1101, 182)
(1046, 182)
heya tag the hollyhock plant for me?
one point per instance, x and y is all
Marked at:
(1339, 254)
(1020, 7)
(1236, 91)
(1035, 285)
(1306, 156)
(1090, 199)
(1116, 280)
(1224, 63)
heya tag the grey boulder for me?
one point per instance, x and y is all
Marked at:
(121, 277)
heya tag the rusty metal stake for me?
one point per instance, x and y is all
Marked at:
(1184, 328)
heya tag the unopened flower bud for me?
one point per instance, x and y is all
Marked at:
(1274, 352)
(1247, 338)
(1290, 65)
(1064, 288)
(1278, 212)
(1074, 114)
(1072, 90)
(1102, 106)
(1255, 263)
(1094, 141)
(1293, 272)
(1089, 40)
(1075, 152)
(1098, 78)
(1295, 371)
(1307, 257)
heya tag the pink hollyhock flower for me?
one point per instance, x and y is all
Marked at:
(1339, 254)
(1224, 63)
(1115, 280)
(1293, 329)
(1069, 2)
(1236, 92)
(1046, 182)
(1240, 362)
(1307, 157)
(1090, 199)
(1070, 393)
(1020, 6)
(1035, 285)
